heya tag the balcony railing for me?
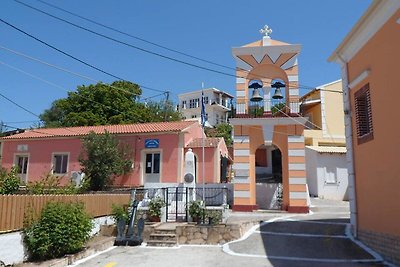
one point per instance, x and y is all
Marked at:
(266, 108)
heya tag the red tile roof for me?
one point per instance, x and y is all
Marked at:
(208, 142)
(153, 127)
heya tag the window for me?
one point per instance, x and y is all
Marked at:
(22, 164)
(153, 163)
(206, 100)
(60, 163)
(363, 113)
(184, 104)
(330, 175)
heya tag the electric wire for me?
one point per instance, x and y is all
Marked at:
(125, 43)
(71, 56)
(148, 51)
(57, 86)
(67, 70)
(132, 36)
(18, 105)
(139, 38)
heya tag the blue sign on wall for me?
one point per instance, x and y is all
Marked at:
(151, 143)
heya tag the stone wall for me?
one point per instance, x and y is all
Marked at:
(386, 245)
(197, 234)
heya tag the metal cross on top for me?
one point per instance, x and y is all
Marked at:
(266, 31)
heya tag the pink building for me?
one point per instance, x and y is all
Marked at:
(157, 152)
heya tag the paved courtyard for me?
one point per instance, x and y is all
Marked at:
(320, 238)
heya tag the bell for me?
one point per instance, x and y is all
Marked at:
(277, 94)
(256, 97)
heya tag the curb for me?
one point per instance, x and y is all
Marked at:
(69, 259)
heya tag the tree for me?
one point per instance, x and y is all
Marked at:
(104, 157)
(160, 111)
(102, 104)
(222, 130)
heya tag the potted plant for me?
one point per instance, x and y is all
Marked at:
(121, 217)
(196, 210)
(155, 206)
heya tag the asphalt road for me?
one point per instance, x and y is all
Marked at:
(318, 239)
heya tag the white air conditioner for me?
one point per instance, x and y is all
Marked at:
(77, 177)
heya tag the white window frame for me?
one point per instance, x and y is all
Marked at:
(143, 162)
(15, 163)
(53, 155)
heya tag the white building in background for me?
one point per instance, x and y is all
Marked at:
(218, 104)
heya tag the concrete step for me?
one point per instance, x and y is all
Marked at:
(161, 243)
(330, 209)
(163, 237)
(164, 231)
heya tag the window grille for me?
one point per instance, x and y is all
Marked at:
(363, 110)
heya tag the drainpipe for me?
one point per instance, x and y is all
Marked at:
(349, 145)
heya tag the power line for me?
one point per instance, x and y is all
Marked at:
(69, 55)
(124, 43)
(67, 71)
(132, 36)
(141, 49)
(135, 37)
(18, 105)
(20, 122)
(60, 87)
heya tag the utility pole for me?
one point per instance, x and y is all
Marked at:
(165, 106)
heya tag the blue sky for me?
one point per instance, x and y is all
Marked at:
(206, 29)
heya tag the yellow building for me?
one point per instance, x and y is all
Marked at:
(324, 137)
(323, 107)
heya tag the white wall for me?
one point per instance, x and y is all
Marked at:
(264, 194)
(12, 248)
(321, 166)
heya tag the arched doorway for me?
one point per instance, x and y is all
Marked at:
(268, 169)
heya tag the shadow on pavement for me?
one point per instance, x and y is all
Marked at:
(305, 243)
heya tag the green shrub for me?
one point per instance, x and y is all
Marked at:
(196, 210)
(63, 228)
(9, 181)
(214, 216)
(120, 212)
(155, 206)
(51, 184)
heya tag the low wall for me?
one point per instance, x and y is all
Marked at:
(12, 250)
(220, 234)
(387, 245)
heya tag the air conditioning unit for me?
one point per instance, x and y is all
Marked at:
(77, 177)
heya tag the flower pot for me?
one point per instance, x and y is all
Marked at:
(154, 218)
